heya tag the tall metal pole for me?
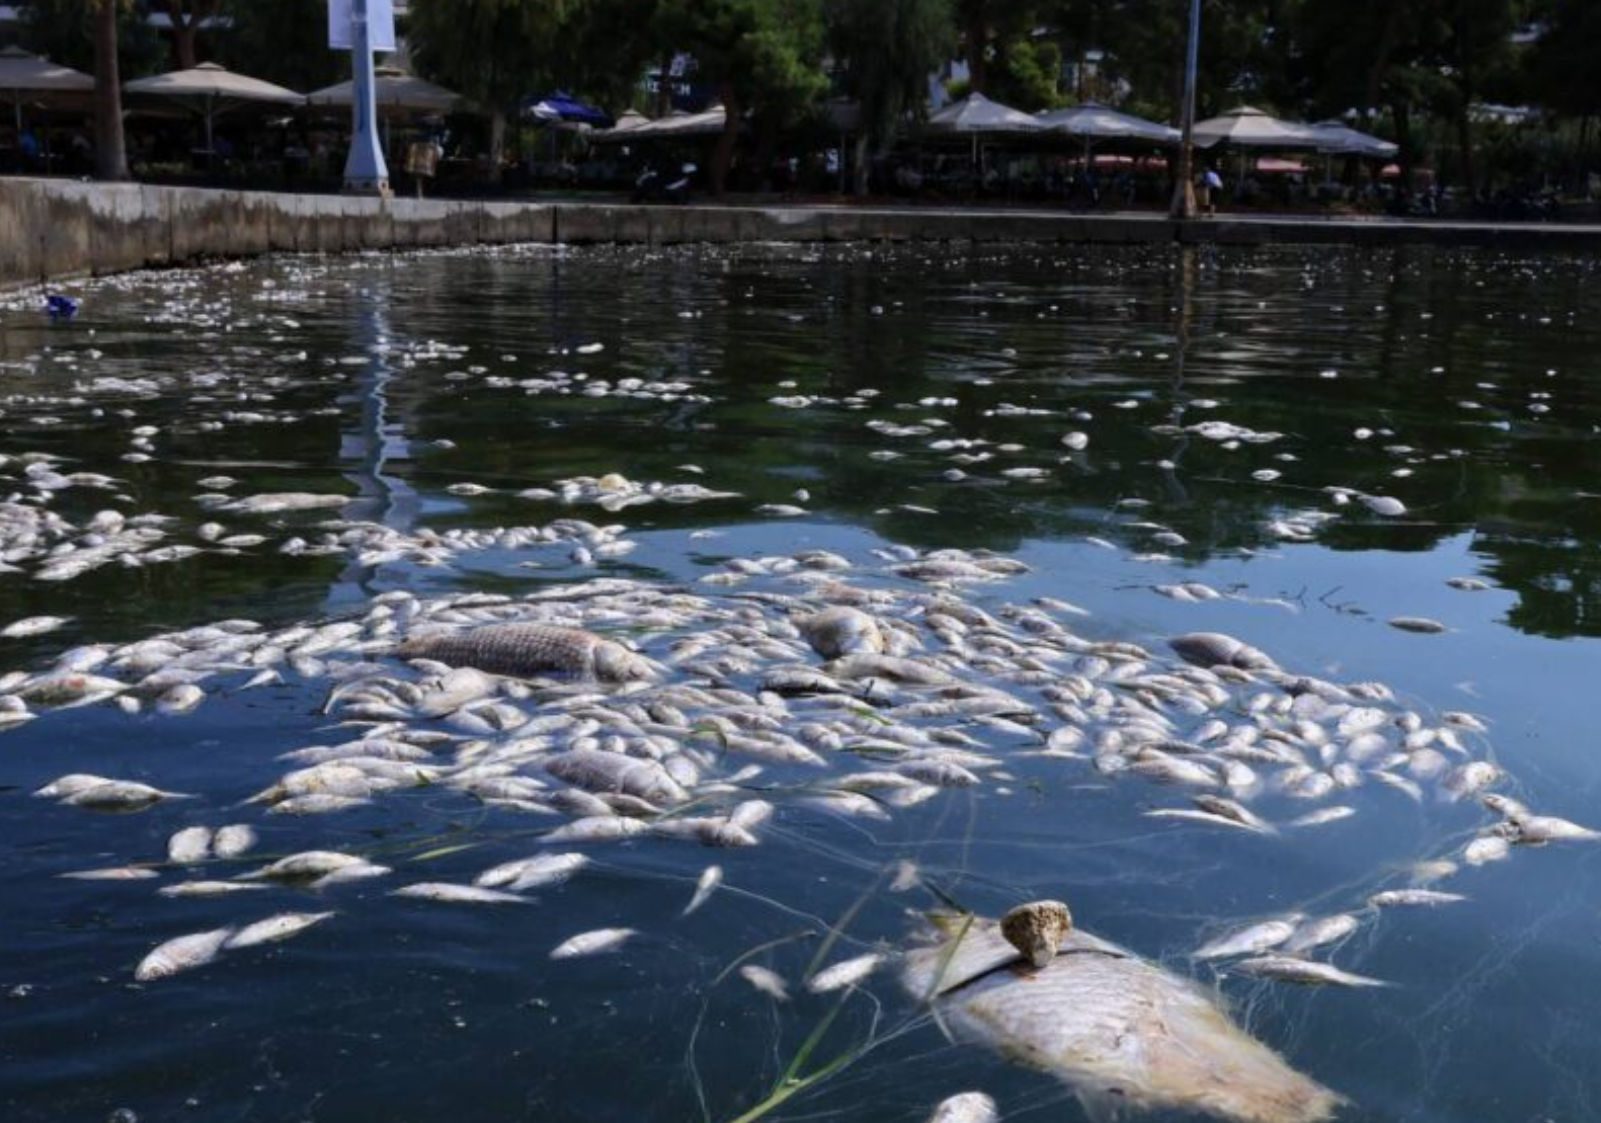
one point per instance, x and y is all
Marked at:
(365, 170)
(1184, 189)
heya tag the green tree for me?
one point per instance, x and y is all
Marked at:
(762, 55)
(492, 51)
(888, 49)
(282, 41)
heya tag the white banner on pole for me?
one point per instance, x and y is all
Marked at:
(380, 25)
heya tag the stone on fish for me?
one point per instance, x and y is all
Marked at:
(532, 649)
(182, 954)
(1036, 929)
(1120, 1032)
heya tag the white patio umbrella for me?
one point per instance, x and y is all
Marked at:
(23, 74)
(1338, 139)
(214, 90)
(628, 123)
(977, 116)
(394, 92)
(1091, 122)
(708, 122)
(1246, 127)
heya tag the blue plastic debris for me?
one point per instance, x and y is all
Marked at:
(60, 307)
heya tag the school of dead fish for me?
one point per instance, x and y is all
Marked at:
(617, 709)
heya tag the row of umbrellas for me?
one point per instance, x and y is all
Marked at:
(976, 116)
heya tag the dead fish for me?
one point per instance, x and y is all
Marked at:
(1178, 1049)
(1419, 624)
(112, 873)
(846, 973)
(306, 865)
(1308, 972)
(532, 873)
(271, 503)
(1427, 898)
(1250, 940)
(1195, 815)
(711, 877)
(1322, 816)
(592, 943)
(1322, 930)
(190, 845)
(1210, 649)
(182, 954)
(119, 795)
(966, 1107)
(208, 888)
(33, 626)
(840, 630)
(180, 699)
(1485, 849)
(768, 982)
(274, 928)
(1539, 829)
(1468, 584)
(450, 893)
(1471, 778)
(233, 840)
(597, 828)
(532, 649)
(1386, 505)
(599, 771)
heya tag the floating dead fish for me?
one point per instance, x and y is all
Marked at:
(1426, 898)
(531, 649)
(1250, 940)
(532, 873)
(274, 928)
(190, 845)
(33, 626)
(306, 865)
(112, 873)
(450, 893)
(233, 840)
(768, 982)
(1319, 931)
(1116, 1029)
(1210, 649)
(846, 973)
(182, 954)
(119, 795)
(209, 888)
(965, 1107)
(711, 877)
(599, 941)
(1419, 624)
(1539, 829)
(1308, 972)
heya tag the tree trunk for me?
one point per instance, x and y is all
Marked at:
(111, 153)
(861, 166)
(497, 145)
(664, 88)
(1382, 53)
(723, 154)
(1403, 140)
(186, 30)
(978, 35)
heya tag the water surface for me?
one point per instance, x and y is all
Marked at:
(1461, 383)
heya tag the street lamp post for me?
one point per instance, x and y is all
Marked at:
(1184, 189)
(366, 173)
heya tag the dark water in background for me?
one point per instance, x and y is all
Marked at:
(1481, 367)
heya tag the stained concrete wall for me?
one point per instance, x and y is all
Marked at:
(54, 229)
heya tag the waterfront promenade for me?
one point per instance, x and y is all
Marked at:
(56, 229)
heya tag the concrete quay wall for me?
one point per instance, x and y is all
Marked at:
(57, 229)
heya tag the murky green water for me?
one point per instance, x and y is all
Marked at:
(1465, 385)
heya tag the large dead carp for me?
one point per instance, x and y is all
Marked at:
(1117, 1030)
(532, 649)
